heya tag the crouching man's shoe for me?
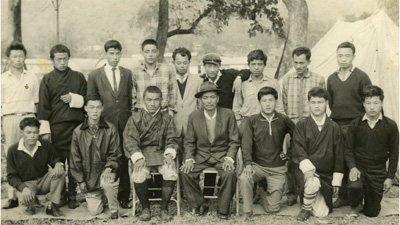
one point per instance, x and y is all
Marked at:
(303, 215)
(114, 215)
(53, 210)
(11, 203)
(30, 210)
(222, 216)
(72, 203)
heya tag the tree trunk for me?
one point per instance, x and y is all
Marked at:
(14, 21)
(162, 31)
(297, 34)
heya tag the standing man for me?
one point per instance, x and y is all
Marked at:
(34, 168)
(345, 88)
(151, 143)
(212, 140)
(295, 87)
(228, 81)
(246, 103)
(262, 146)
(95, 153)
(61, 94)
(113, 84)
(153, 73)
(372, 140)
(318, 153)
(19, 98)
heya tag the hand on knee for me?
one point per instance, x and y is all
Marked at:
(140, 176)
(168, 172)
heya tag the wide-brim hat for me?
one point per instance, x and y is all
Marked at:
(205, 87)
(212, 58)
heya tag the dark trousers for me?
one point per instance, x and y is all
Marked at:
(291, 181)
(144, 194)
(368, 187)
(226, 191)
(124, 189)
(343, 193)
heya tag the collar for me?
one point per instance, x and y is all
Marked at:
(21, 147)
(184, 76)
(102, 123)
(219, 74)
(208, 117)
(154, 114)
(319, 123)
(9, 74)
(264, 117)
(264, 78)
(350, 70)
(365, 117)
(306, 75)
(144, 66)
(109, 67)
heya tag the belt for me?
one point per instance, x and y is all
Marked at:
(18, 114)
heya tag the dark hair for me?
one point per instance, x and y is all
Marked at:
(347, 44)
(149, 42)
(15, 46)
(94, 97)
(152, 89)
(267, 91)
(29, 122)
(371, 91)
(257, 55)
(112, 44)
(183, 52)
(317, 92)
(59, 49)
(302, 50)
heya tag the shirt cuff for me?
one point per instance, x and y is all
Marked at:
(337, 179)
(44, 127)
(136, 156)
(230, 159)
(306, 165)
(170, 151)
(76, 101)
(187, 160)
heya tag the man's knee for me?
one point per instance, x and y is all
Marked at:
(243, 179)
(355, 185)
(95, 210)
(372, 212)
(228, 174)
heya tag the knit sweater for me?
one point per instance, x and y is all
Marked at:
(345, 96)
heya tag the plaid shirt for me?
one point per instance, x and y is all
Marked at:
(163, 78)
(293, 86)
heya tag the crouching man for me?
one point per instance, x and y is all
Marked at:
(150, 141)
(317, 148)
(262, 146)
(33, 168)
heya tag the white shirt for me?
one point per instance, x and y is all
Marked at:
(19, 96)
(21, 147)
(321, 123)
(219, 74)
(212, 117)
(181, 79)
(372, 123)
(346, 76)
(109, 74)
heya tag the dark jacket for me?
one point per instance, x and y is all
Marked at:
(92, 153)
(226, 142)
(117, 106)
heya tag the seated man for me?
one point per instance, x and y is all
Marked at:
(262, 146)
(371, 141)
(150, 141)
(212, 140)
(95, 150)
(317, 149)
(33, 168)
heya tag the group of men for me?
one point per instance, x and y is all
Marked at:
(156, 113)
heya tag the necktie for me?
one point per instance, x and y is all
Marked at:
(114, 79)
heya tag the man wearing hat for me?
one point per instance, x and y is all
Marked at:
(212, 140)
(226, 80)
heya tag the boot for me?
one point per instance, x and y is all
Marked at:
(72, 203)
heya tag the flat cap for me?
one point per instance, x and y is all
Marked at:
(212, 58)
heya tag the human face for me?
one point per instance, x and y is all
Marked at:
(17, 59)
(267, 104)
(150, 54)
(94, 109)
(373, 106)
(300, 64)
(30, 135)
(256, 67)
(113, 56)
(317, 106)
(60, 61)
(210, 100)
(152, 102)
(181, 64)
(345, 57)
(211, 69)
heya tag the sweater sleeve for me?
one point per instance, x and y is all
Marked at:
(349, 146)
(290, 130)
(234, 140)
(330, 91)
(393, 150)
(247, 142)
(12, 173)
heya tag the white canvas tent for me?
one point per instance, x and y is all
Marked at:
(377, 53)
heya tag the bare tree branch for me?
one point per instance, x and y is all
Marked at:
(193, 27)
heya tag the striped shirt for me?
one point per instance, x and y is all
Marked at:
(295, 90)
(163, 77)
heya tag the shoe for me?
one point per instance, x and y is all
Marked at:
(53, 210)
(247, 216)
(146, 215)
(340, 202)
(38, 204)
(303, 215)
(291, 201)
(125, 204)
(222, 216)
(31, 211)
(165, 216)
(355, 212)
(114, 215)
(201, 210)
(73, 204)
(11, 203)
